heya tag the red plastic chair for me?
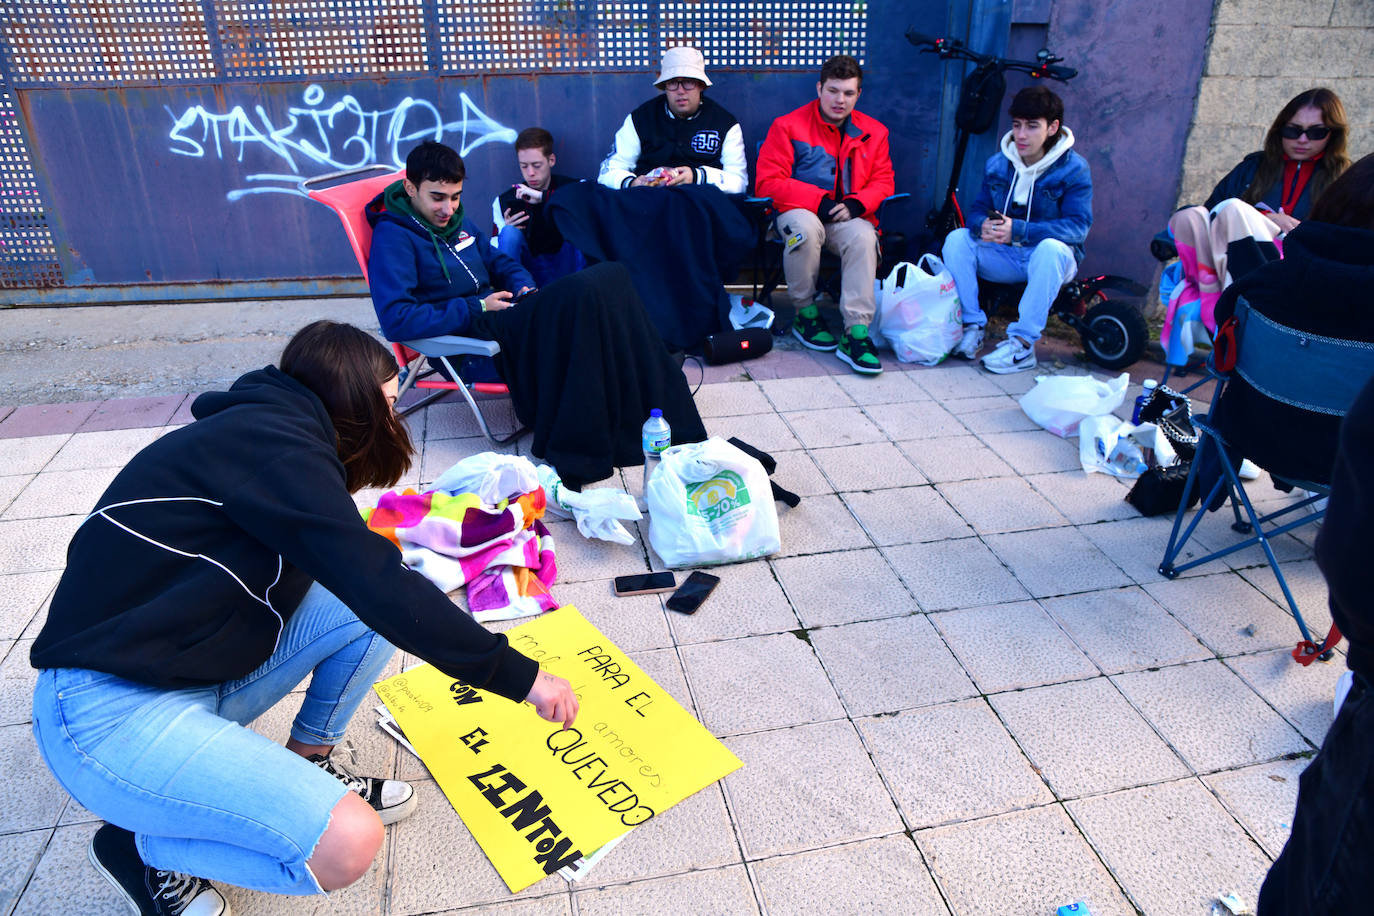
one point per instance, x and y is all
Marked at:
(347, 199)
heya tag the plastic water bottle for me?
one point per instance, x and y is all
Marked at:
(1147, 388)
(655, 437)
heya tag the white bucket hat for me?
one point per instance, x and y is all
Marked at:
(682, 62)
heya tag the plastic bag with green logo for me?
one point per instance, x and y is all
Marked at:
(710, 503)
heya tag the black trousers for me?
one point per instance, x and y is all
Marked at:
(1327, 866)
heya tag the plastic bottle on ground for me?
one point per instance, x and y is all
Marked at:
(655, 436)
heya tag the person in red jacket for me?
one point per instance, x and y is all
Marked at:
(827, 168)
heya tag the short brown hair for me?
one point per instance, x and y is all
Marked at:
(535, 138)
(841, 67)
(1349, 201)
(346, 367)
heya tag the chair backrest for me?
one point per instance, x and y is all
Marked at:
(348, 200)
(1307, 371)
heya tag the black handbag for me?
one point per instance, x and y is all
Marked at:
(1159, 491)
(1173, 414)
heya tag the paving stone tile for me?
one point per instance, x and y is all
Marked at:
(54, 493)
(1301, 695)
(46, 419)
(952, 381)
(132, 413)
(819, 525)
(873, 876)
(581, 559)
(1216, 532)
(833, 426)
(1056, 561)
(1308, 585)
(110, 449)
(11, 486)
(1015, 384)
(1137, 546)
(797, 472)
(724, 891)
(665, 668)
(919, 420)
(906, 515)
(747, 602)
(694, 834)
(1263, 798)
(998, 865)
(1011, 646)
(782, 808)
(886, 665)
(30, 780)
(1085, 739)
(64, 874)
(1206, 849)
(1036, 452)
(633, 622)
(442, 454)
(183, 414)
(29, 454)
(815, 393)
(19, 855)
(888, 388)
(831, 588)
(951, 762)
(954, 458)
(1210, 716)
(1124, 630)
(784, 362)
(24, 594)
(764, 431)
(33, 544)
(1227, 613)
(997, 504)
(967, 407)
(870, 466)
(17, 680)
(731, 399)
(1085, 498)
(559, 904)
(738, 682)
(453, 419)
(954, 573)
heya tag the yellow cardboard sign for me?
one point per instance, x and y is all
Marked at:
(536, 797)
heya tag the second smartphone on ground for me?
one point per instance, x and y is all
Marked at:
(687, 599)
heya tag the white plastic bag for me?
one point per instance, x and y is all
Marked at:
(918, 312)
(491, 475)
(1108, 445)
(710, 503)
(598, 511)
(1060, 402)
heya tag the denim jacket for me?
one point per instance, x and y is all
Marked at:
(1061, 205)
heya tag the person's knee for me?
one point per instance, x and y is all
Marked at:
(1057, 254)
(957, 243)
(349, 845)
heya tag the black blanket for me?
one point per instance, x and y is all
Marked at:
(680, 245)
(585, 366)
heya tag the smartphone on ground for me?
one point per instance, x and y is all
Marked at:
(687, 599)
(645, 584)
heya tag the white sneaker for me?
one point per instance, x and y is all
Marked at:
(970, 343)
(1011, 355)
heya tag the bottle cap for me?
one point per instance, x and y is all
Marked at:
(1149, 383)
(655, 412)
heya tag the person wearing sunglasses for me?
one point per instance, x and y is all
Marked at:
(1242, 224)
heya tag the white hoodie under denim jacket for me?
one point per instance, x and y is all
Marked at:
(1051, 199)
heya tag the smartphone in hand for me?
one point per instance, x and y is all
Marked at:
(694, 591)
(646, 584)
(995, 215)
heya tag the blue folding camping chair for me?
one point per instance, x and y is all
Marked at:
(1307, 371)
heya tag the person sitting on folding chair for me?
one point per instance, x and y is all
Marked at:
(583, 363)
(225, 564)
(827, 169)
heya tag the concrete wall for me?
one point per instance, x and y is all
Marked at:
(1264, 52)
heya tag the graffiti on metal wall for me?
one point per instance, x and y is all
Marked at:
(320, 136)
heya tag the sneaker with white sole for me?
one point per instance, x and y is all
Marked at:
(1011, 355)
(392, 799)
(151, 891)
(856, 351)
(809, 328)
(970, 343)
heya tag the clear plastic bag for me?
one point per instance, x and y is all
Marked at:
(1060, 402)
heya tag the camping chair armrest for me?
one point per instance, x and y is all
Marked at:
(452, 345)
(305, 184)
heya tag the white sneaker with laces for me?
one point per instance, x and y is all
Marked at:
(1011, 355)
(970, 343)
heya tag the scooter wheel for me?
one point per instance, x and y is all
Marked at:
(1114, 333)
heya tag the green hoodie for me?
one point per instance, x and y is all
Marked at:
(397, 201)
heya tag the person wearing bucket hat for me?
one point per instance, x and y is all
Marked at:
(680, 137)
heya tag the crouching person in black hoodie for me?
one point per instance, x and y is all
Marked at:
(225, 564)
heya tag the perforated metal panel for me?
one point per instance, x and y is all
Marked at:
(765, 35)
(319, 37)
(28, 256)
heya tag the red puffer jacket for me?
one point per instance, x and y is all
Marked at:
(805, 158)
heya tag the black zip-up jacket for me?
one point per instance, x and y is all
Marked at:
(206, 542)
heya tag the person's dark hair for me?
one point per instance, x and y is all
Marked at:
(1328, 168)
(433, 161)
(535, 138)
(346, 368)
(1349, 200)
(842, 67)
(1039, 102)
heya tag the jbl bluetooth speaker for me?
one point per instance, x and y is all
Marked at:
(737, 346)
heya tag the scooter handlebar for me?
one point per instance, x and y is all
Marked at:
(920, 38)
(1060, 73)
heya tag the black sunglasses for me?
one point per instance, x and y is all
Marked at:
(1315, 132)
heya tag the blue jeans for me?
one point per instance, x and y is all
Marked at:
(545, 268)
(1044, 268)
(203, 794)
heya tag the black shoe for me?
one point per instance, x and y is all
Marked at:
(392, 799)
(151, 891)
(809, 327)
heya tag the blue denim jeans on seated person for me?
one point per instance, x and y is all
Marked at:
(545, 268)
(203, 794)
(1044, 268)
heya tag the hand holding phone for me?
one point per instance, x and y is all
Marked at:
(528, 194)
(646, 584)
(694, 591)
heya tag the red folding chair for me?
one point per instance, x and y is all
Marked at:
(347, 199)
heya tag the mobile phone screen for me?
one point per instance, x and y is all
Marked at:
(646, 584)
(687, 599)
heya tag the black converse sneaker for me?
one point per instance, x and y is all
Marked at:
(392, 799)
(151, 891)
